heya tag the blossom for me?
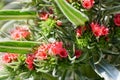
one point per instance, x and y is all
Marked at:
(80, 30)
(8, 57)
(43, 47)
(117, 19)
(87, 3)
(96, 29)
(29, 61)
(41, 52)
(56, 47)
(78, 53)
(99, 30)
(20, 32)
(59, 23)
(30, 66)
(104, 30)
(43, 15)
(51, 10)
(63, 53)
(41, 55)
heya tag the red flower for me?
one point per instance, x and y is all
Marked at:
(19, 33)
(78, 53)
(87, 3)
(63, 53)
(51, 10)
(55, 48)
(43, 48)
(8, 57)
(59, 23)
(99, 30)
(30, 66)
(96, 29)
(43, 15)
(29, 61)
(104, 30)
(41, 55)
(79, 31)
(117, 19)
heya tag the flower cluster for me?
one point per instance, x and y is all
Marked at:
(56, 44)
(20, 32)
(30, 61)
(99, 30)
(45, 50)
(9, 57)
(88, 3)
(51, 49)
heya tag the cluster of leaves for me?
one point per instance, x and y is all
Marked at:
(72, 15)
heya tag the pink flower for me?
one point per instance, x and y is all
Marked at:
(43, 47)
(59, 23)
(8, 57)
(41, 55)
(43, 15)
(99, 30)
(96, 29)
(56, 47)
(78, 53)
(29, 61)
(87, 3)
(19, 33)
(117, 19)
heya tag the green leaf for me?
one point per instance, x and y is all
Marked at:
(16, 14)
(113, 10)
(25, 75)
(13, 43)
(107, 71)
(13, 5)
(4, 74)
(73, 15)
(22, 47)
(48, 76)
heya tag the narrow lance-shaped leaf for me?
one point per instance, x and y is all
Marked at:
(16, 14)
(107, 71)
(73, 15)
(112, 10)
(21, 47)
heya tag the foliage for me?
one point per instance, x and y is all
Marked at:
(61, 40)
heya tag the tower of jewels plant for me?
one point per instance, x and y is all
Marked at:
(60, 40)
